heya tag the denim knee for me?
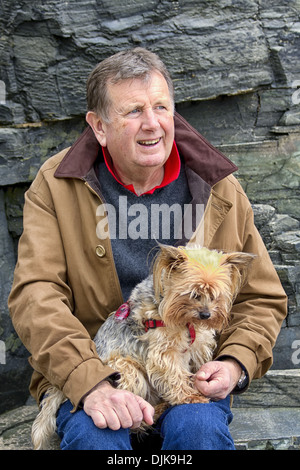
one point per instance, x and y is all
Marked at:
(182, 427)
(78, 432)
(197, 427)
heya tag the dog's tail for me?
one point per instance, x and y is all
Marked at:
(44, 425)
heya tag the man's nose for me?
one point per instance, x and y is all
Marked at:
(150, 119)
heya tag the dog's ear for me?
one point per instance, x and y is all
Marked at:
(166, 261)
(240, 263)
(169, 257)
(239, 258)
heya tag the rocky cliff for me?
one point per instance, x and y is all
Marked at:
(236, 70)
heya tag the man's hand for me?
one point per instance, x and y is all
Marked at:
(113, 408)
(216, 379)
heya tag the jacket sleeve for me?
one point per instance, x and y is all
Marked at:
(258, 312)
(41, 303)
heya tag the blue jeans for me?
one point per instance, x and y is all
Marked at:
(182, 427)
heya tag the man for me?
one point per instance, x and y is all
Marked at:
(71, 274)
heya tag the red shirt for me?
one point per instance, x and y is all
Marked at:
(172, 169)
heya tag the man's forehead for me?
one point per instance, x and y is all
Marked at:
(139, 84)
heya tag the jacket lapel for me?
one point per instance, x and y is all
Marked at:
(215, 212)
(199, 155)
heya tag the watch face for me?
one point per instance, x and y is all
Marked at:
(242, 380)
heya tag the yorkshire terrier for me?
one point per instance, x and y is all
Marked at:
(167, 329)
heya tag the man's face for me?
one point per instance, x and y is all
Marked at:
(140, 133)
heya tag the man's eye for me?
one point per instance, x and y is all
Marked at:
(135, 111)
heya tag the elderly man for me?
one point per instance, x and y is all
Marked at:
(72, 272)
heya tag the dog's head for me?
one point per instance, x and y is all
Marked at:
(197, 285)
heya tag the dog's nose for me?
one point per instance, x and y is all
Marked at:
(204, 315)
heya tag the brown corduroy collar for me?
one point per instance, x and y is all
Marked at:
(199, 155)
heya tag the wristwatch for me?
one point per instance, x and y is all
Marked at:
(244, 378)
(242, 381)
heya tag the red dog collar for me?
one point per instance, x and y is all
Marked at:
(192, 332)
(124, 311)
(149, 324)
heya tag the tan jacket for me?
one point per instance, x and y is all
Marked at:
(66, 284)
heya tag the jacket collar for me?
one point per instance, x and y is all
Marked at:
(199, 155)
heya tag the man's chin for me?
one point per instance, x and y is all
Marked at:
(151, 161)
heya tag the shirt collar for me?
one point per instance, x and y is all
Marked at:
(171, 173)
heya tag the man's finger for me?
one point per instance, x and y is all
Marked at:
(147, 410)
(98, 419)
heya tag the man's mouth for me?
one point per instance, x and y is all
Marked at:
(149, 143)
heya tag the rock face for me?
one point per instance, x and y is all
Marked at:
(236, 71)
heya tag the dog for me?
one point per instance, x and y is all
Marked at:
(166, 331)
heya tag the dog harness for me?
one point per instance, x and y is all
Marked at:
(124, 311)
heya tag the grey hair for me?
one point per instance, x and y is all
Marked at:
(137, 63)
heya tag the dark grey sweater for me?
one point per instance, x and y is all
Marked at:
(137, 223)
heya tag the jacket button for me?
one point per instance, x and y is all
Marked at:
(100, 251)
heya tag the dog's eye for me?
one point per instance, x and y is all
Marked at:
(196, 296)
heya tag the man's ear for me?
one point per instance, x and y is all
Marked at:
(98, 127)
